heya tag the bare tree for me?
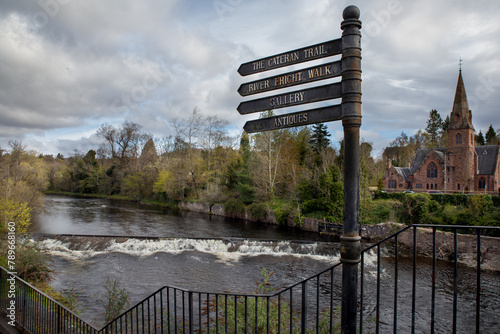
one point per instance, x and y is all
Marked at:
(108, 133)
(123, 143)
(190, 131)
(214, 135)
(164, 145)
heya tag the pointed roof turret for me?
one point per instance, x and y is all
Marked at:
(461, 116)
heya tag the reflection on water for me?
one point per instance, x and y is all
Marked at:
(67, 215)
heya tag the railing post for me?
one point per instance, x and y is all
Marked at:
(304, 309)
(24, 310)
(191, 313)
(351, 120)
(59, 319)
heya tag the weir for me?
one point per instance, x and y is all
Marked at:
(80, 246)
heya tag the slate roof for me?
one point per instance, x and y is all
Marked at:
(404, 172)
(422, 154)
(487, 157)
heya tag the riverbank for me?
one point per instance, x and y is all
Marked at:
(467, 251)
(466, 244)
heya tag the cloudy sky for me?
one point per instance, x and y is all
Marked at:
(68, 66)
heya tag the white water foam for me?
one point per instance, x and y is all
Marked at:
(224, 250)
(61, 249)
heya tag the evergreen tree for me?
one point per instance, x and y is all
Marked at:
(148, 153)
(319, 139)
(480, 138)
(490, 136)
(446, 123)
(434, 127)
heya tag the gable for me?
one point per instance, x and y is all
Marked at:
(487, 159)
(424, 156)
(400, 173)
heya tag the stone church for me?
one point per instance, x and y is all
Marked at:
(460, 167)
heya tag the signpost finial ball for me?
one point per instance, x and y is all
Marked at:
(351, 12)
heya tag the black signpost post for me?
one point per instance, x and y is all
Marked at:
(349, 111)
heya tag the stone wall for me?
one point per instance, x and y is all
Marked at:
(195, 206)
(308, 224)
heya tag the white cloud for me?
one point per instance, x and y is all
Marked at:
(78, 64)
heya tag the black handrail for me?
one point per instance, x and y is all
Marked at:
(36, 312)
(417, 296)
(311, 305)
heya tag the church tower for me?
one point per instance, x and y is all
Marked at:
(461, 156)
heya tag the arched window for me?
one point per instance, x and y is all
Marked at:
(482, 183)
(432, 171)
(458, 139)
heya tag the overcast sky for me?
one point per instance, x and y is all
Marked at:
(68, 66)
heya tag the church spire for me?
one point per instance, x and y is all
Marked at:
(461, 116)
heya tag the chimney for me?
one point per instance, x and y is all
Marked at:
(388, 164)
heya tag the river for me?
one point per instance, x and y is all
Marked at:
(197, 252)
(188, 256)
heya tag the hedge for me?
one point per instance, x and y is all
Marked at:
(452, 199)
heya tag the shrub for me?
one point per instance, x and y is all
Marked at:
(415, 208)
(116, 300)
(480, 204)
(465, 217)
(258, 211)
(32, 264)
(73, 300)
(282, 215)
(449, 214)
(379, 211)
(234, 207)
(496, 201)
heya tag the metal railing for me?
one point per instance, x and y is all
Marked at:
(399, 291)
(311, 305)
(36, 312)
(416, 303)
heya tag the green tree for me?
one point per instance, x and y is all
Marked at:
(434, 127)
(23, 177)
(444, 132)
(491, 136)
(148, 154)
(480, 138)
(166, 184)
(446, 124)
(243, 182)
(323, 195)
(17, 212)
(319, 139)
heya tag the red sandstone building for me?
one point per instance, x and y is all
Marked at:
(460, 167)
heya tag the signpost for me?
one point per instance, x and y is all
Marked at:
(289, 99)
(311, 74)
(348, 111)
(311, 116)
(308, 53)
